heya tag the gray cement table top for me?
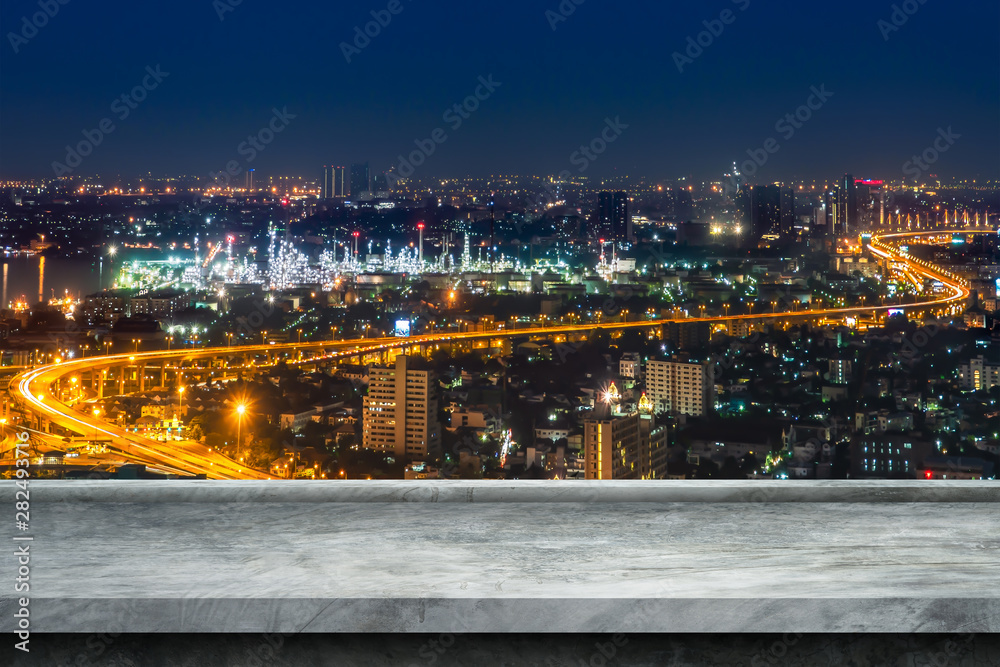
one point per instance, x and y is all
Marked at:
(510, 557)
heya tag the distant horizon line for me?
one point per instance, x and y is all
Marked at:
(8, 181)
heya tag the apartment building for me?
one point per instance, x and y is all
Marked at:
(400, 411)
(978, 375)
(681, 387)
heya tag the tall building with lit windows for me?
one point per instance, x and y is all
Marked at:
(400, 411)
(620, 445)
(613, 220)
(847, 205)
(681, 387)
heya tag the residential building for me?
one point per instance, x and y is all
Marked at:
(978, 375)
(477, 417)
(630, 366)
(888, 455)
(400, 411)
(840, 371)
(681, 387)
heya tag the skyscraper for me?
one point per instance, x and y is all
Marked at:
(847, 205)
(400, 411)
(613, 220)
(787, 210)
(334, 182)
(361, 180)
(765, 209)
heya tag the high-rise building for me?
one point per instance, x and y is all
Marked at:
(840, 371)
(847, 205)
(249, 180)
(623, 446)
(613, 220)
(787, 210)
(765, 209)
(326, 185)
(400, 411)
(380, 185)
(688, 335)
(361, 180)
(681, 387)
(334, 182)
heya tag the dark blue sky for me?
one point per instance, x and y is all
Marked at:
(607, 59)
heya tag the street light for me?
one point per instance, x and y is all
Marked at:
(180, 401)
(241, 408)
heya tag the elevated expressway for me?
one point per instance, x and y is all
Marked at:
(34, 392)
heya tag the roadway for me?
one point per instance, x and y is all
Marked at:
(32, 389)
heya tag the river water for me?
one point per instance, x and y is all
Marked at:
(36, 278)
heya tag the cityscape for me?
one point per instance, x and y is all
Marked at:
(556, 334)
(339, 327)
(463, 263)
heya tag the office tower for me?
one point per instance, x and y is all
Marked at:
(334, 182)
(818, 227)
(340, 184)
(830, 202)
(680, 386)
(683, 204)
(765, 209)
(847, 205)
(380, 185)
(249, 180)
(613, 220)
(787, 210)
(623, 446)
(326, 186)
(400, 411)
(361, 182)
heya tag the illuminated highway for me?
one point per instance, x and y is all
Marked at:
(32, 389)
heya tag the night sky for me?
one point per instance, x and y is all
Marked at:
(940, 69)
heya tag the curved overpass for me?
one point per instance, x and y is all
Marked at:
(32, 389)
